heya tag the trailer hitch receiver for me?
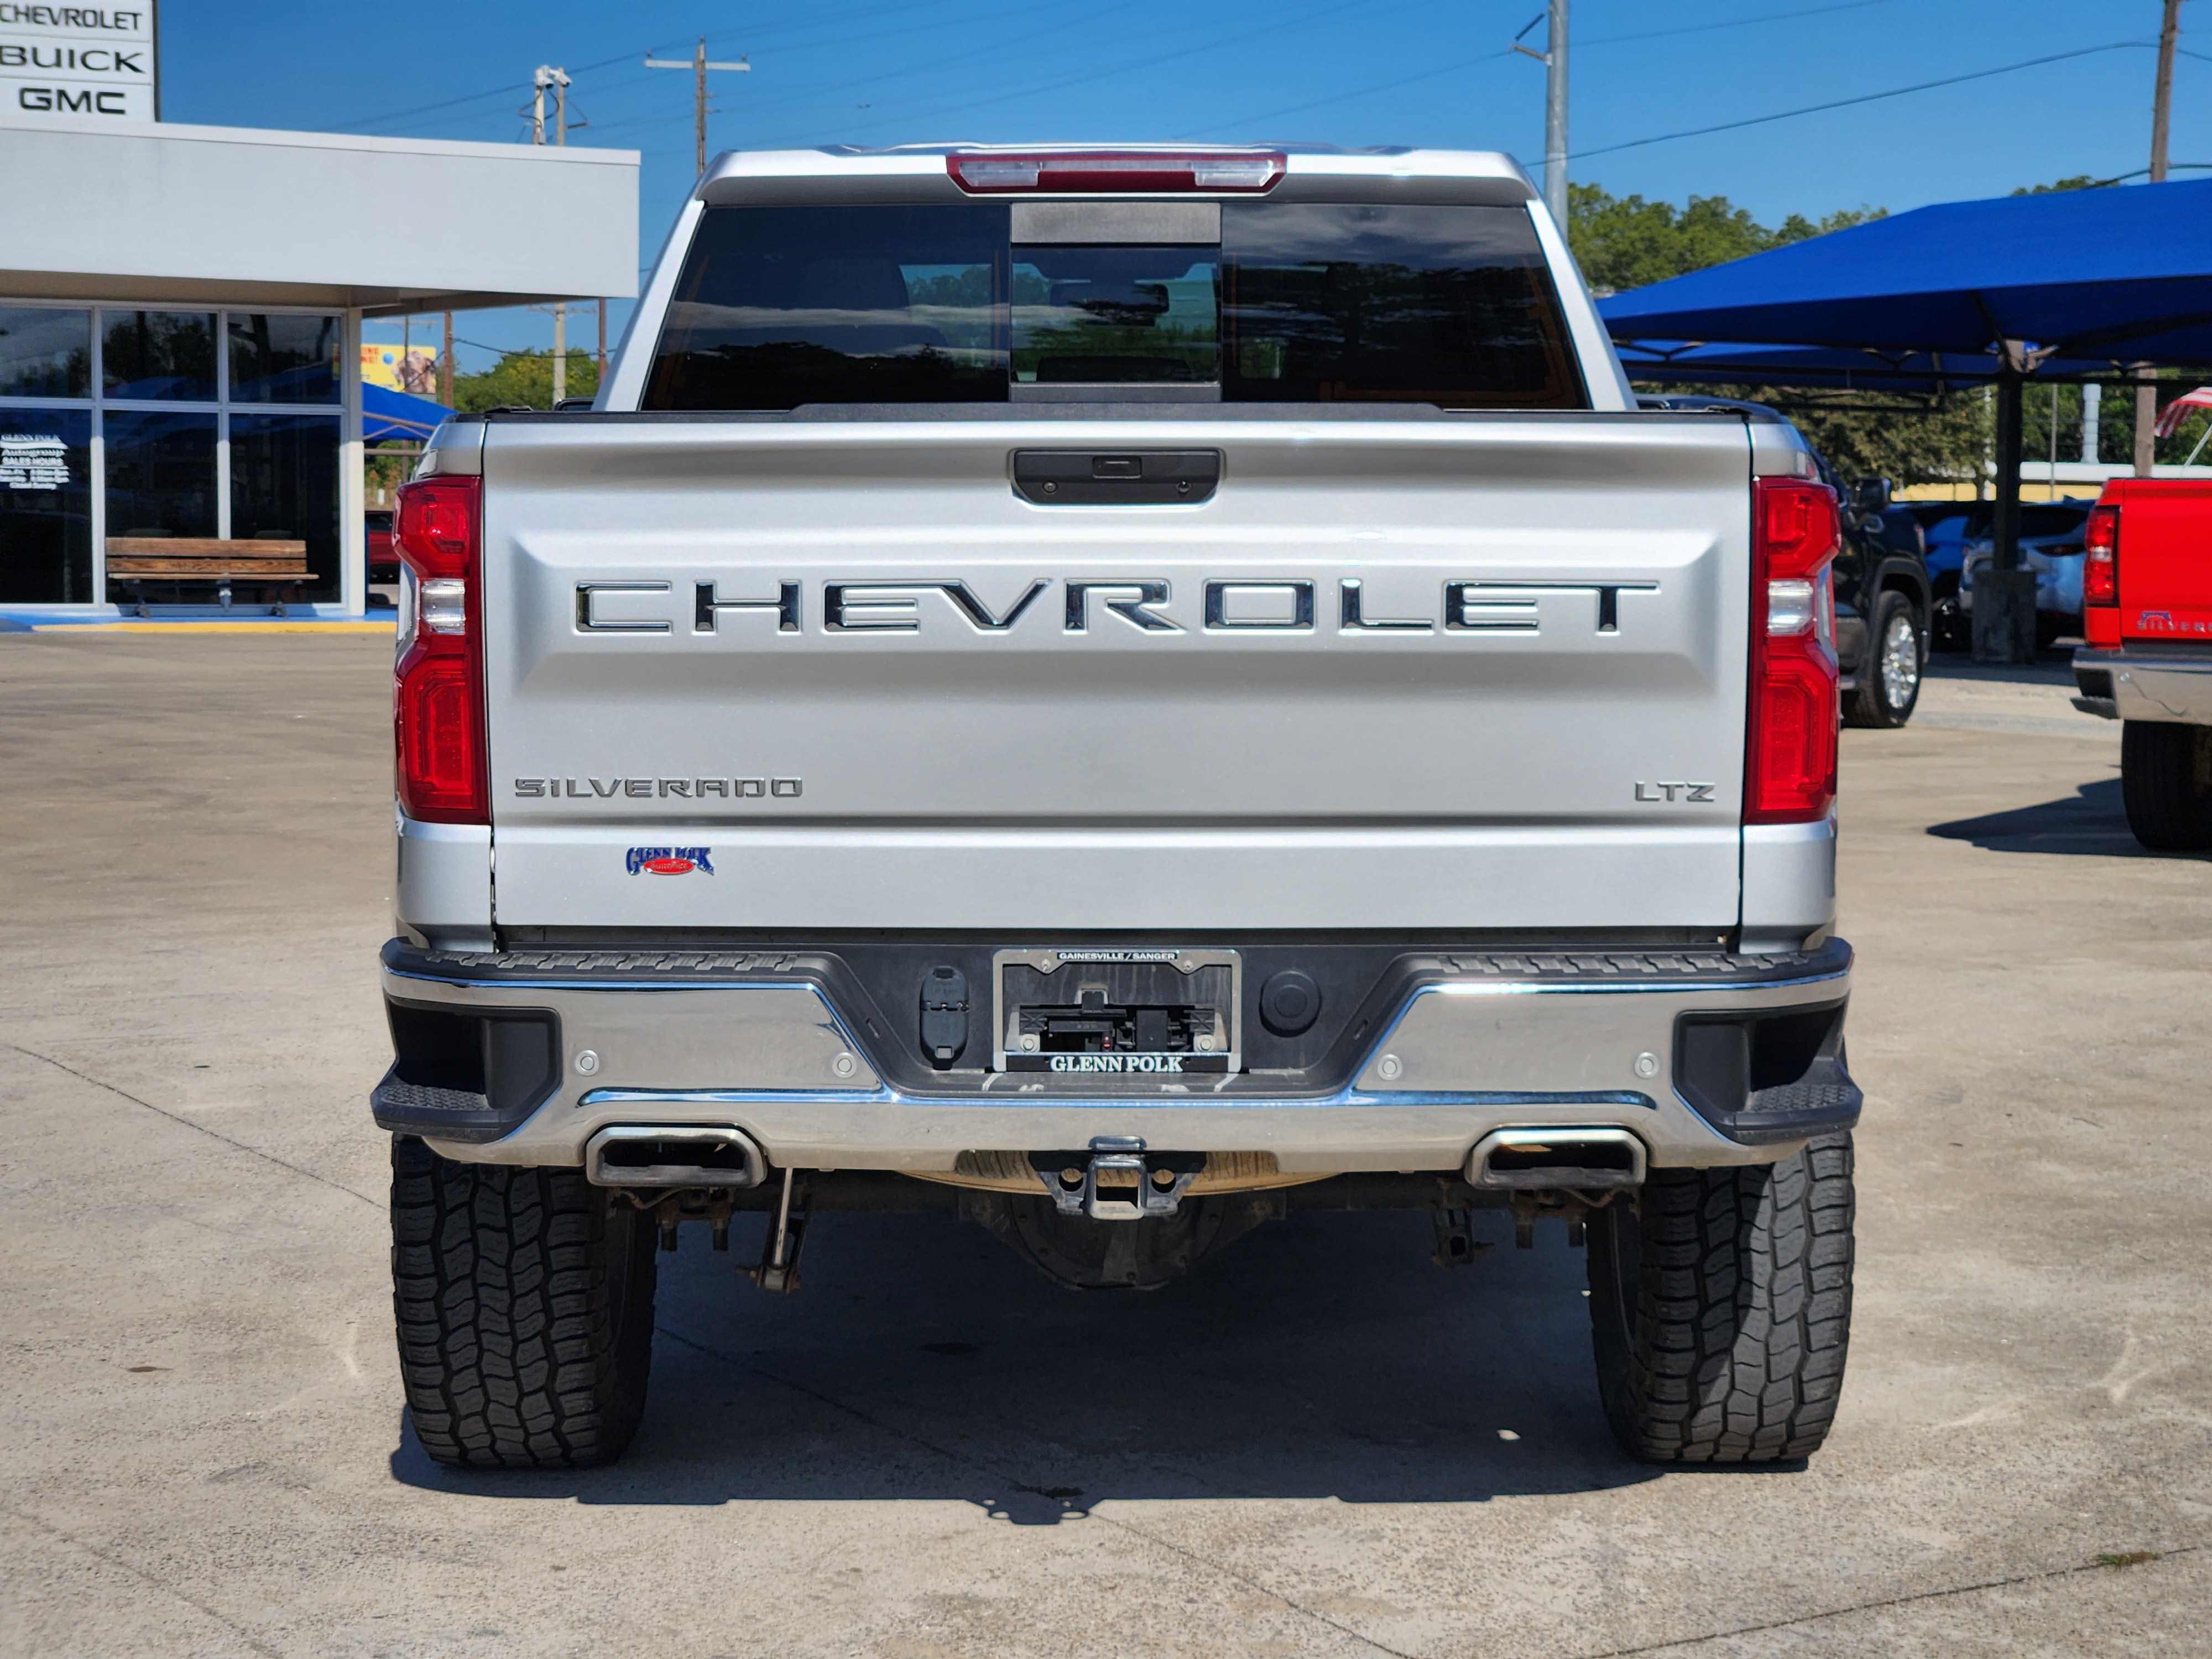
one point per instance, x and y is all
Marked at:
(1117, 1179)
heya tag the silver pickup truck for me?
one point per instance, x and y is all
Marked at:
(1115, 696)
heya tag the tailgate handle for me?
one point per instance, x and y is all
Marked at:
(1090, 478)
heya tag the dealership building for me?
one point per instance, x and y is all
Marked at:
(181, 311)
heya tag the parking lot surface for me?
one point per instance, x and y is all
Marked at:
(1320, 1445)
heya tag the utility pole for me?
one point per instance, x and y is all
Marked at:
(445, 364)
(1553, 57)
(602, 359)
(2161, 109)
(558, 81)
(1555, 116)
(698, 65)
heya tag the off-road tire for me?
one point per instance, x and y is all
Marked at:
(1720, 1309)
(2166, 783)
(1876, 702)
(525, 1305)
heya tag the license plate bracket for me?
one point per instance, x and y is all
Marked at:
(1135, 1013)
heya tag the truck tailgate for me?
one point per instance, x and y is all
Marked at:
(2166, 562)
(1461, 672)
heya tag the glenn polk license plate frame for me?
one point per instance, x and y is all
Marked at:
(1050, 960)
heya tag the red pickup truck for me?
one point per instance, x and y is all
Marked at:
(2147, 607)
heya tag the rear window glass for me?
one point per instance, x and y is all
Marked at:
(778, 306)
(1116, 314)
(1451, 306)
(783, 305)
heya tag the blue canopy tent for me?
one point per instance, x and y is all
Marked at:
(2120, 277)
(386, 413)
(1690, 362)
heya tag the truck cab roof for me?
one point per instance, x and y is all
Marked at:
(931, 173)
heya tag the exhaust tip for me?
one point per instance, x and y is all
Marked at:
(644, 1155)
(1584, 1160)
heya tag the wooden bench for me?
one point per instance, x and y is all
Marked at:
(278, 565)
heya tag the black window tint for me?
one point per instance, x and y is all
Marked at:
(277, 358)
(45, 352)
(778, 306)
(1452, 306)
(285, 487)
(1114, 314)
(2051, 520)
(158, 354)
(160, 474)
(46, 504)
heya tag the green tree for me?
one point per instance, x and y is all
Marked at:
(1872, 434)
(523, 378)
(1624, 241)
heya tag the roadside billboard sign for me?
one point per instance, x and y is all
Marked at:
(411, 369)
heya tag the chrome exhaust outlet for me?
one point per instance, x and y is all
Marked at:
(1581, 1160)
(642, 1155)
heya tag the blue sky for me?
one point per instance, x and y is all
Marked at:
(1346, 71)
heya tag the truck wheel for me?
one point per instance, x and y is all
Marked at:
(1889, 675)
(1720, 1309)
(2166, 781)
(525, 1305)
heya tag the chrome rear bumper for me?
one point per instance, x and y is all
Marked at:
(1480, 1043)
(2145, 682)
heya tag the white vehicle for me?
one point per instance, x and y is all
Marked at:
(2050, 545)
(1115, 694)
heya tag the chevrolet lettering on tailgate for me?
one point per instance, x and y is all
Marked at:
(1244, 604)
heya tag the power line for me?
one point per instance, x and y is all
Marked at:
(834, 20)
(504, 89)
(1087, 20)
(1149, 61)
(1362, 92)
(1466, 63)
(1863, 98)
(1733, 22)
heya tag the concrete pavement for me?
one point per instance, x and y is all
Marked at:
(1318, 1445)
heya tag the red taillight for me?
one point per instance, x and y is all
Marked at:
(1103, 171)
(2100, 567)
(1789, 753)
(437, 704)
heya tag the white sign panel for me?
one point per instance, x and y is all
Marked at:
(77, 61)
(32, 463)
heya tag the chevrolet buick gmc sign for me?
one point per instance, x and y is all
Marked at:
(75, 61)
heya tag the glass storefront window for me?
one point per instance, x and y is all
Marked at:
(280, 359)
(46, 504)
(178, 425)
(285, 487)
(45, 352)
(167, 356)
(160, 474)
